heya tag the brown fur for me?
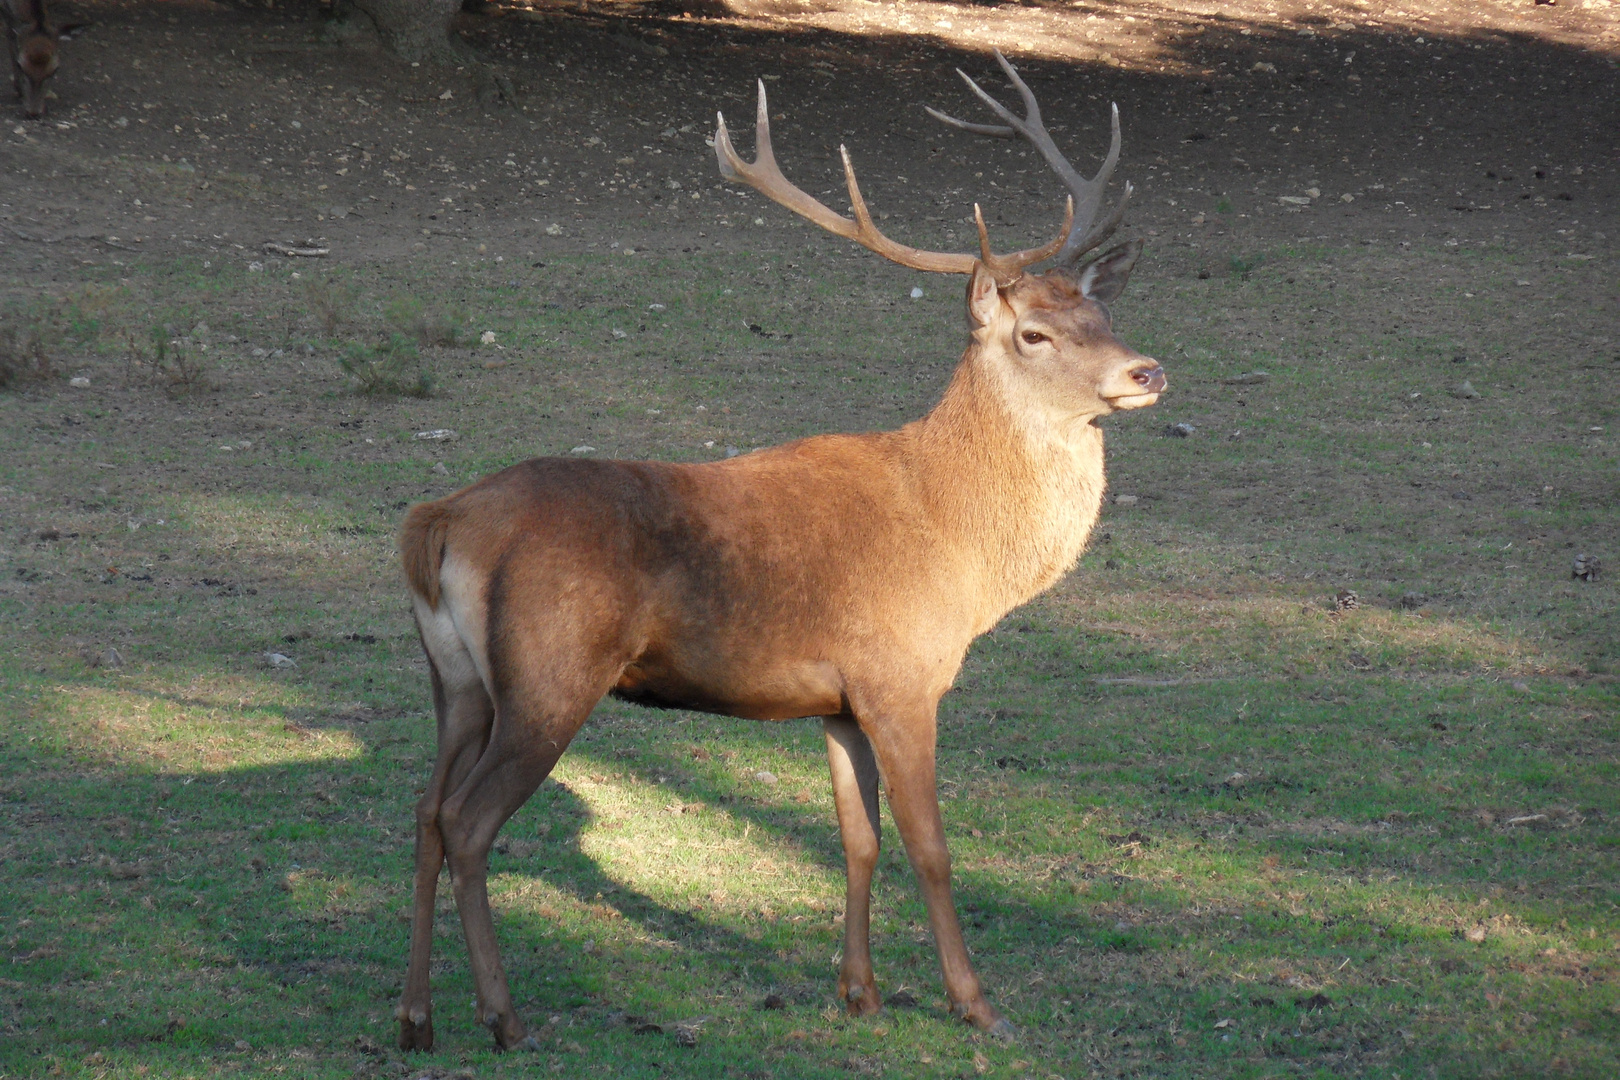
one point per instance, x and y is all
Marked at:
(841, 576)
(421, 548)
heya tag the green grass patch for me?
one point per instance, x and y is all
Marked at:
(1203, 824)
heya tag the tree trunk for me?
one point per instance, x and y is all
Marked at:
(416, 29)
(420, 31)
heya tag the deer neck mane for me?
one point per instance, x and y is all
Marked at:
(1016, 490)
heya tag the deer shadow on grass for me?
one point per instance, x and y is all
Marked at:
(294, 891)
(272, 878)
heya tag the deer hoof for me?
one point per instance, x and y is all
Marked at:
(862, 1000)
(983, 1015)
(509, 1032)
(416, 1031)
(1003, 1030)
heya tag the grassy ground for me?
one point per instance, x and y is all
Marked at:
(1203, 824)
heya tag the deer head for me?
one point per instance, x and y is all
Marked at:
(1047, 338)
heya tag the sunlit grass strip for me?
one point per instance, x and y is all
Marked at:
(1247, 628)
(206, 726)
(276, 527)
(696, 853)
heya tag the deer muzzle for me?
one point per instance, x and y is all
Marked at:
(1150, 377)
(1137, 387)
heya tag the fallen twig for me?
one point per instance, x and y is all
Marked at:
(306, 250)
(32, 239)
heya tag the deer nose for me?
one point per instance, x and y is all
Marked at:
(1150, 377)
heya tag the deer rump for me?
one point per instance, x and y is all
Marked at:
(743, 587)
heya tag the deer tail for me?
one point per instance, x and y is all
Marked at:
(421, 548)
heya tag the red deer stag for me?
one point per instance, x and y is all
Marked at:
(840, 576)
(33, 51)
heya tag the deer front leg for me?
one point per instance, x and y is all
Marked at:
(855, 794)
(905, 750)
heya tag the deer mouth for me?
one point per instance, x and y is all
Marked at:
(1148, 382)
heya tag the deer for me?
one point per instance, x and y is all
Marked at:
(33, 45)
(840, 577)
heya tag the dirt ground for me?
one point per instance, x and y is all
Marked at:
(199, 127)
(1444, 174)
(200, 130)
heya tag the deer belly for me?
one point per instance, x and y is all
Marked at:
(779, 691)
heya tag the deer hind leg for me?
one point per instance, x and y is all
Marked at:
(855, 794)
(903, 739)
(535, 719)
(464, 715)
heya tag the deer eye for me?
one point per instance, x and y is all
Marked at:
(1034, 337)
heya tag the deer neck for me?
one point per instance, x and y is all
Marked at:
(1015, 490)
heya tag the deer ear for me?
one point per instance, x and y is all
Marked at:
(983, 298)
(1104, 278)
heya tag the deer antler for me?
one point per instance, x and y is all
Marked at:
(1086, 194)
(764, 176)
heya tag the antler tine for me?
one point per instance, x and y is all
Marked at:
(766, 177)
(1007, 267)
(1098, 231)
(857, 203)
(1087, 193)
(984, 233)
(995, 131)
